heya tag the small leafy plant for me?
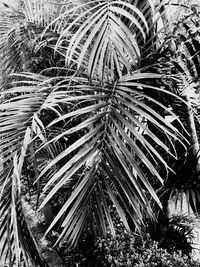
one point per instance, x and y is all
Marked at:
(124, 250)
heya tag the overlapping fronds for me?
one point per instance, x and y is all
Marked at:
(17, 114)
(94, 124)
(11, 57)
(108, 144)
(107, 149)
(104, 38)
(19, 247)
(21, 46)
(18, 124)
(186, 61)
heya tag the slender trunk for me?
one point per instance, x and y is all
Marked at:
(195, 150)
(195, 147)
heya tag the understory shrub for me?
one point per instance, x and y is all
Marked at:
(163, 243)
(125, 250)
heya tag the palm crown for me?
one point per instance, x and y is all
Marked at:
(83, 110)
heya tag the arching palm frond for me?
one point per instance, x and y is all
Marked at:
(105, 150)
(16, 115)
(107, 153)
(106, 135)
(105, 35)
(18, 125)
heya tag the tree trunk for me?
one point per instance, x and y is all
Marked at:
(195, 148)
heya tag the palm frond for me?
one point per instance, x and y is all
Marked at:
(97, 131)
(100, 30)
(106, 142)
(17, 114)
(21, 46)
(19, 245)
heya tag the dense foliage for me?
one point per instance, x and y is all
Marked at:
(95, 115)
(124, 251)
(127, 250)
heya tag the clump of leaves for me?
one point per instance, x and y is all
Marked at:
(172, 233)
(124, 250)
(171, 248)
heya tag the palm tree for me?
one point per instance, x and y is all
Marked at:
(83, 106)
(184, 57)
